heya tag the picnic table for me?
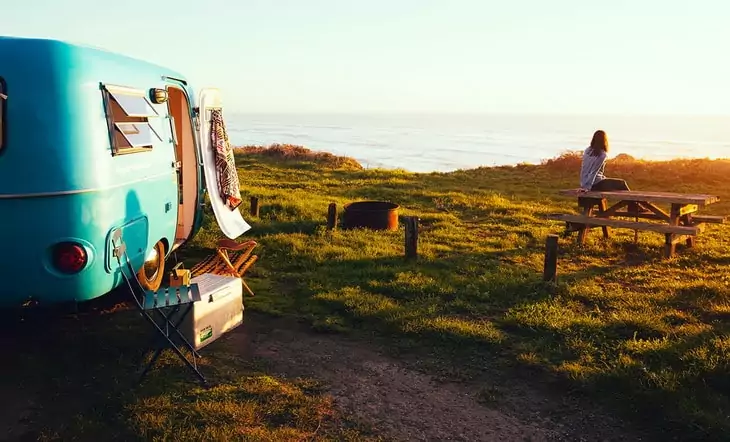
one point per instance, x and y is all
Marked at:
(680, 222)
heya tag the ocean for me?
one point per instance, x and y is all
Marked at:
(426, 143)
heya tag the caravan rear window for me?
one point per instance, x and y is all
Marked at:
(3, 98)
(128, 114)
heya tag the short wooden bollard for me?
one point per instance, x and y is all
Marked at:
(254, 206)
(411, 223)
(332, 216)
(550, 272)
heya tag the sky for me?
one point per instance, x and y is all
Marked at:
(430, 56)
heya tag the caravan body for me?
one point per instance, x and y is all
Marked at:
(92, 141)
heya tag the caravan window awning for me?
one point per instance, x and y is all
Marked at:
(133, 102)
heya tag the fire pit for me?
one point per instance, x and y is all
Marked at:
(375, 215)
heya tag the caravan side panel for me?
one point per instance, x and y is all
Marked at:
(59, 179)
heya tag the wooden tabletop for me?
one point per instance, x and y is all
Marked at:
(636, 195)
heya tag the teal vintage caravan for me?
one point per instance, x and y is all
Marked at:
(92, 142)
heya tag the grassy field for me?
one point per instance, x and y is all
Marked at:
(646, 336)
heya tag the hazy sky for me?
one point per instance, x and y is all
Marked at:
(534, 56)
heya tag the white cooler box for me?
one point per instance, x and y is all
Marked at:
(219, 310)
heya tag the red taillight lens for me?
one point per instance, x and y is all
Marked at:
(69, 257)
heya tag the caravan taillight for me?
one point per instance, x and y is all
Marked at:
(69, 257)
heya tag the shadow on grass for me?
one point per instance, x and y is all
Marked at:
(72, 370)
(287, 227)
(79, 374)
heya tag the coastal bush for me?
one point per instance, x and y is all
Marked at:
(300, 154)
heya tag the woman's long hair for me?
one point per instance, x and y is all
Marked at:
(599, 143)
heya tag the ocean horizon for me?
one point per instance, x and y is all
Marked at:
(447, 142)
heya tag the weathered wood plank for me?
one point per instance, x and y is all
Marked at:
(717, 219)
(687, 209)
(654, 227)
(635, 195)
(676, 239)
(658, 211)
(603, 207)
(587, 211)
(634, 215)
(575, 227)
(687, 220)
(613, 209)
(670, 246)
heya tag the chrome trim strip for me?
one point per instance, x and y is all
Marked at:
(76, 192)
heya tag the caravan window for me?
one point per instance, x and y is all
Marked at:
(128, 114)
(3, 98)
(137, 134)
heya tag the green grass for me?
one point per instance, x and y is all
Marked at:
(647, 335)
(79, 373)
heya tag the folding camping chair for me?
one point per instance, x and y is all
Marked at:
(172, 298)
(230, 259)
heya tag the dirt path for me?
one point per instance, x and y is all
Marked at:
(409, 405)
(392, 396)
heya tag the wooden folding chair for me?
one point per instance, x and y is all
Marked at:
(231, 259)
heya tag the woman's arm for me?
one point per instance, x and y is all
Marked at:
(599, 174)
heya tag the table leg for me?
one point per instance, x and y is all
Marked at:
(587, 209)
(669, 244)
(636, 207)
(687, 221)
(602, 207)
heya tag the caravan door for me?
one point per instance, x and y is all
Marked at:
(229, 220)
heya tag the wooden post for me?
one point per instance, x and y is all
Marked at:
(550, 272)
(332, 216)
(254, 206)
(411, 223)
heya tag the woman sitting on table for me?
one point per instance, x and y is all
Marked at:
(593, 165)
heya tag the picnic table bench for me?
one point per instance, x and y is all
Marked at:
(680, 222)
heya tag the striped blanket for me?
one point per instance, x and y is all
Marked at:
(225, 164)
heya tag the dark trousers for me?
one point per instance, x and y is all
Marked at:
(609, 184)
